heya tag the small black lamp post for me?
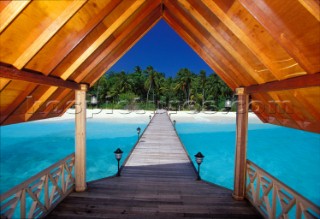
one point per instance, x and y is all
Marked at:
(138, 132)
(199, 158)
(174, 124)
(118, 155)
(150, 117)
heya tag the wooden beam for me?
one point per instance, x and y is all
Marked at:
(109, 31)
(24, 75)
(10, 12)
(122, 32)
(312, 6)
(242, 24)
(80, 139)
(46, 35)
(297, 31)
(241, 145)
(199, 49)
(227, 42)
(310, 80)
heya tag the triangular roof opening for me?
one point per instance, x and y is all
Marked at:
(269, 47)
(163, 49)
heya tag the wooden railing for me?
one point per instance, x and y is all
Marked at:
(37, 196)
(274, 199)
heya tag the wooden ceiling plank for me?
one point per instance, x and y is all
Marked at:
(285, 109)
(313, 6)
(70, 35)
(253, 44)
(101, 39)
(126, 44)
(10, 12)
(297, 105)
(24, 75)
(17, 102)
(199, 50)
(310, 80)
(29, 105)
(271, 109)
(81, 72)
(227, 21)
(192, 8)
(301, 96)
(46, 35)
(3, 83)
(39, 102)
(52, 104)
(216, 49)
(287, 37)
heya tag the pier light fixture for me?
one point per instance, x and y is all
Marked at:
(118, 155)
(150, 117)
(199, 158)
(227, 105)
(174, 124)
(138, 132)
(94, 100)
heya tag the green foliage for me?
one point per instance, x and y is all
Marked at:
(149, 89)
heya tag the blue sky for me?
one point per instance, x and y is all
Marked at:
(162, 48)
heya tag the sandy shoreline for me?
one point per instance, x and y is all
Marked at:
(142, 116)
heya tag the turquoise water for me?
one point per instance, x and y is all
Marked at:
(293, 156)
(28, 148)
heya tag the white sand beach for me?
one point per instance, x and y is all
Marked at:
(125, 116)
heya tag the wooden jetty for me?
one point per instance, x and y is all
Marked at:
(158, 180)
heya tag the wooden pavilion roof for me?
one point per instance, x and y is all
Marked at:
(270, 47)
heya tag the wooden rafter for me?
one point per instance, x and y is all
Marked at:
(310, 80)
(126, 14)
(200, 51)
(297, 39)
(28, 76)
(59, 46)
(46, 35)
(10, 12)
(214, 49)
(119, 35)
(123, 46)
(196, 10)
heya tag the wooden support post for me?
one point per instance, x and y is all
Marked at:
(241, 145)
(80, 139)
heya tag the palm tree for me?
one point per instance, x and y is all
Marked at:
(203, 81)
(185, 78)
(151, 81)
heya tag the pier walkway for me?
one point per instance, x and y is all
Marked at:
(157, 181)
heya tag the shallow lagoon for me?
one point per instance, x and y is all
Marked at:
(291, 155)
(28, 148)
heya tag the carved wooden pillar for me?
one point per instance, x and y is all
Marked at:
(80, 139)
(241, 145)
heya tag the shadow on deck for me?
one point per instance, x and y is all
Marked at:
(154, 191)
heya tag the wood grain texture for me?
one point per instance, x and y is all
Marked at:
(246, 42)
(10, 11)
(157, 181)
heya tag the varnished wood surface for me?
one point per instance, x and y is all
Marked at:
(157, 181)
(246, 42)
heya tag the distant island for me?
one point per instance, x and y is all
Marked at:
(149, 89)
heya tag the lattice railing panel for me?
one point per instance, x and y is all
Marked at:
(38, 195)
(274, 199)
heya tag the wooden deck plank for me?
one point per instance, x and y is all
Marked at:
(158, 180)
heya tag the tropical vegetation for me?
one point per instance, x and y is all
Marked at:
(150, 89)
